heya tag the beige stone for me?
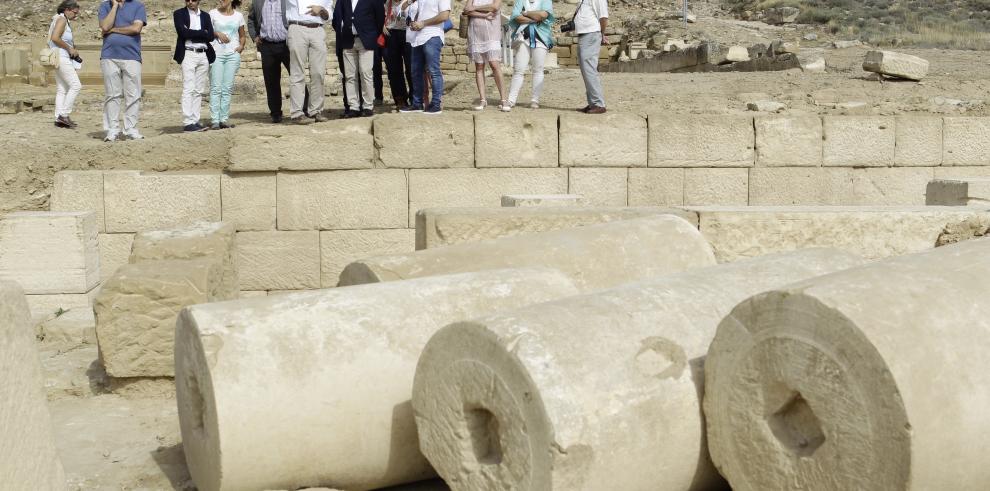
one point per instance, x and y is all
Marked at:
(48, 306)
(252, 294)
(341, 360)
(248, 200)
(609, 140)
(115, 250)
(279, 260)
(79, 190)
(691, 140)
(601, 186)
(354, 199)
(403, 144)
(523, 139)
(523, 200)
(896, 64)
(862, 379)
(594, 256)
(613, 381)
(790, 141)
(338, 248)
(270, 148)
(974, 191)
(716, 186)
(50, 252)
(212, 241)
(860, 141)
(136, 201)
(966, 141)
(28, 459)
(838, 186)
(962, 172)
(918, 141)
(656, 187)
(737, 53)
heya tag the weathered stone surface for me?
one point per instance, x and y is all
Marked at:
(781, 383)
(766, 106)
(136, 201)
(716, 186)
(403, 144)
(48, 306)
(524, 200)
(50, 252)
(737, 53)
(896, 64)
(248, 200)
(601, 186)
(253, 294)
(212, 241)
(79, 190)
(871, 232)
(790, 141)
(279, 260)
(28, 459)
(650, 246)
(701, 140)
(436, 227)
(966, 141)
(524, 139)
(609, 140)
(656, 187)
(115, 251)
(271, 148)
(354, 199)
(338, 248)
(918, 141)
(341, 359)
(859, 141)
(974, 191)
(137, 307)
(615, 402)
(838, 186)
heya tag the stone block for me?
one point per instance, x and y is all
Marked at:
(838, 186)
(973, 191)
(212, 241)
(601, 186)
(50, 252)
(338, 248)
(79, 190)
(966, 141)
(888, 186)
(137, 307)
(524, 200)
(48, 306)
(115, 251)
(271, 148)
(859, 141)
(16, 62)
(896, 64)
(609, 140)
(403, 144)
(918, 141)
(279, 260)
(136, 201)
(701, 140)
(252, 294)
(355, 199)
(248, 200)
(737, 53)
(429, 188)
(656, 187)
(716, 186)
(518, 139)
(961, 172)
(790, 141)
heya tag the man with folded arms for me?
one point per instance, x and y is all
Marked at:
(121, 22)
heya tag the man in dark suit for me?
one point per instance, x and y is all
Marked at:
(194, 52)
(358, 23)
(268, 27)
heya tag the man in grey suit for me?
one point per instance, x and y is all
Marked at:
(268, 27)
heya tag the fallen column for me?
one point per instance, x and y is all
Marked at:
(591, 392)
(312, 388)
(595, 257)
(872, 378)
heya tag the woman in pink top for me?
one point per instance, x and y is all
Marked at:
(485, 46)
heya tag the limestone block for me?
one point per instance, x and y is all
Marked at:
(353, 199)
(248, 200)
(79, 190)
(115, 250)
(50, 252)
(136, 201)
(48, 306)
(522, 200)
(807, 385)
(871, 232)
(594, 256)
(279, 260)
(716, 186)
(429, 188)
(737, 53)
(609, 140)
(212, 241)
(859, 141)
(523, 139)
(338, 248)
(888, 186)
(966, 141)
(28, 459)
(137, 307)
(790, 141)
(341, 360)
(270, 148)
(895, 64)
(918, 141)
(691, 140)
(253, 294)
(403, 144)
(656, 187)
(602, 186)
(838, 186)
(603, 408)
(973, 191)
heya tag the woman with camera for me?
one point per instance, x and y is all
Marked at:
(532, 38)
(66, 79)
(484, 45)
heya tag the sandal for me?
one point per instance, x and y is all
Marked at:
(505, 107)
(481, 105)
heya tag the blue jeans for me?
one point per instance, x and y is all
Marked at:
(222, 84)
(426, 59)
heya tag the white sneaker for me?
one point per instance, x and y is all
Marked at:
(111, 137)
(505, 107)
(534, 105)
(134, 136)
(481, 105)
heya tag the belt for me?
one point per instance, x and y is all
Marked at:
(196, 50)
(305, 24)
(269, 41)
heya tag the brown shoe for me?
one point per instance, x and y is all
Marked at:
(302, 120)
(595, 110)
(320, 118)
(584, 109)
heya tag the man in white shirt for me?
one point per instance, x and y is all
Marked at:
(427, 21)
(307, 45)
(590, 21)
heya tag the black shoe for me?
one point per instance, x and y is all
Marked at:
(193, 128)
(367, 113)
(379, 101)
(411, 109)
(351, 114)
(276, 118)
(225, 126)
(62, 122)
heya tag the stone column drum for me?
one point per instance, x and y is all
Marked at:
(595, 257)
(872, 378)
(592, 392)
(312, 388)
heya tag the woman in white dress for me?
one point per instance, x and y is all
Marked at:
(484, 43)
(67, 85)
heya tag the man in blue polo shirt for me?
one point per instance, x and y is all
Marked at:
(121, 22)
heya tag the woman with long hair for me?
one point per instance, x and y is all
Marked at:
(485, 46)
(67, 85)
(231, 34)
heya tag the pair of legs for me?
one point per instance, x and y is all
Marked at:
(195, 67)
(306, 45)
(397, 57)
(222, 85)
(67, 87)
(426, 62)
(525, 55)
(479, 78)
(589, 46)
(358, 76)
(274, 56)
(122, 83)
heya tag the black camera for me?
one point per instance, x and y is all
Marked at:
(567, 26)
(77, 59)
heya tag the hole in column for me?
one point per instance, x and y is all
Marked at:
(485, 438)
(197, 406)
(796, 426)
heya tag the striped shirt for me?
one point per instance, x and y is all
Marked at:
(272, 28)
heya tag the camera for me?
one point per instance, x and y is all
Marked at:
(567, 26)
(77, 59)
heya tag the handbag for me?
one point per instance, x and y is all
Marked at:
(49, 57)
(462, 28)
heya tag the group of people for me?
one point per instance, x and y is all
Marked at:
(407, 34)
